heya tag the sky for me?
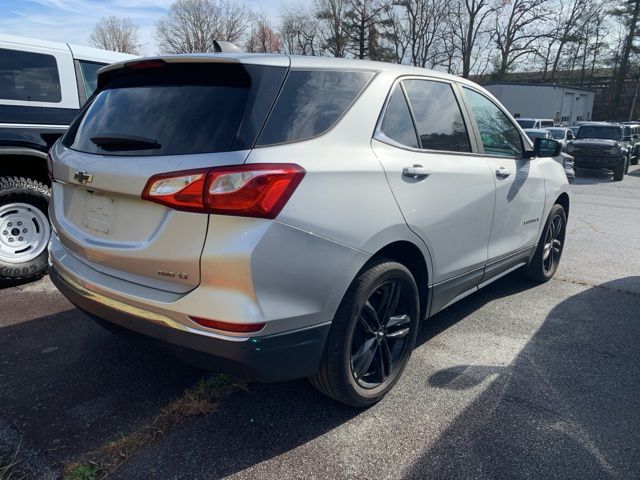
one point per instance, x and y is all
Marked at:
(72, 21)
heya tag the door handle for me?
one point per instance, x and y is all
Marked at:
(502, 172)
(417, 171)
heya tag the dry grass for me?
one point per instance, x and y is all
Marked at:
(195, 401)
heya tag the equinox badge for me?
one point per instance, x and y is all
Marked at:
(83, 177)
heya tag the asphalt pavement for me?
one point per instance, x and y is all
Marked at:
(516, 381)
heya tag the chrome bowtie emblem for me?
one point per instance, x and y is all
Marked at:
(83, 177)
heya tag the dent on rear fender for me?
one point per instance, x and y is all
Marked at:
(301, 276)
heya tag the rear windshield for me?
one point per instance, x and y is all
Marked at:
(608, 133)
(310, 103)
(526, 123)
(176, 109)
(557, 134)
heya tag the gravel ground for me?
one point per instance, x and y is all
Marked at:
(516, 381)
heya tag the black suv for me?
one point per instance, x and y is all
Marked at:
(598, 146)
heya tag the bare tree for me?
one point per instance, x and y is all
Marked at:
(117, 34)
(299, 30)
(263, 38)
(629, 12)
(517, 31)
(361, 26)
(421, 29)
(191, 26)
(331, 19)
(570, 21)
(468, 21)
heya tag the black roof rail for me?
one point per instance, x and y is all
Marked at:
(221, 46)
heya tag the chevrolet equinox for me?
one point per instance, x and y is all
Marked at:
(279, 217)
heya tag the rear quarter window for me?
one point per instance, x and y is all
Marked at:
(29, 76)
(310, 103)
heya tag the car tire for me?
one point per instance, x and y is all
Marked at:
(618, 170)
(372, 335)
(546, 258)
(24, 229)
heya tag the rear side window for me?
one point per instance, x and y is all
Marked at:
(28, 76)
(397, 124)
(90, 76)
(438, 117)
(499, 135)
(176, 109)
(310, 103)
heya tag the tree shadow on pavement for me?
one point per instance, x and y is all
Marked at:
(567, 407)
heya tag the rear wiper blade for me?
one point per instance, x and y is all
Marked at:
(125, 142)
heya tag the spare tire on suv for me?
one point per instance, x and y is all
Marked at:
(24, 228)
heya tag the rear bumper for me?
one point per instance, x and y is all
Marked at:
(266, 358)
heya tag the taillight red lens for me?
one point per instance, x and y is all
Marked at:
(255, 190)
(178, 190)
(251, 190)
(229, 327)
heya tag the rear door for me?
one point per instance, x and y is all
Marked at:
(520, 189)
(150, 119)
(445, 191)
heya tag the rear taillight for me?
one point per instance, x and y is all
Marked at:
(257, 190)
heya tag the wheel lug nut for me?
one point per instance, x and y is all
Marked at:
(9, 224)
(5, 232)
(19, 224)
(20, 239)
(11, 240)
(24, 230)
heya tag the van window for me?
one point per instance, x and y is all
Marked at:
(438, 118)
(32, 77)
(499, 135)
(397, 124)
(90, 76)
(310, 103)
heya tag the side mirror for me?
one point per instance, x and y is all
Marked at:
(545, 147)
(635, 136)
(569, 135)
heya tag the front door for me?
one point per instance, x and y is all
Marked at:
(445, 192)
(520, 189)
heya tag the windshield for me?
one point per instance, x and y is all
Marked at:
(605, 133)
(557, 134)
(525, 123)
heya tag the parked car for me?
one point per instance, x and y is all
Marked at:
(281, 217)
(562, 135)
(632, 135)
(562, 158)
(535, 122)
(601, 145)
(42, 87)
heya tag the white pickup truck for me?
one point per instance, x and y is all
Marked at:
(43, 85)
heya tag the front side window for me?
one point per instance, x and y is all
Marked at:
(310, 103)
(90, 76)
(28, 76)
(397, 124)
(438, 118)
(499, 135)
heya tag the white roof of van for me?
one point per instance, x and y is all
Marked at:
(78, 51)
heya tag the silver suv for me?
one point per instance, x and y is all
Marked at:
(280, 217)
